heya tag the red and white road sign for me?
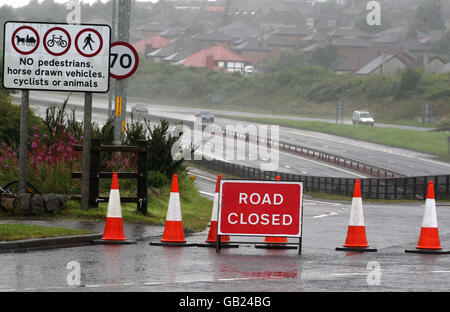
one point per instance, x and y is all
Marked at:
(260, 208)
(124, 60)
(56, 57)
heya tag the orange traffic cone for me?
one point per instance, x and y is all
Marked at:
(211, 240)
(275, 242)
(113, 232)
(356, 234)
(173, 230)
(429, 234)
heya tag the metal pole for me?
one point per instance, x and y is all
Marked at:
(112, 94)
(23, 159)
(121, 85)
(85, 177)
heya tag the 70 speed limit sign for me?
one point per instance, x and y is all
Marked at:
(124, 60)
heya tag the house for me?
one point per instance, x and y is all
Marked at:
(153, 28)
(431, 63)
(238, 30)
(253, 49)
(215, 37)
(150, 44)
(387, 64)
(292, 33)
(215, 58)
(278, 45)
(354, 53)
(444, 69)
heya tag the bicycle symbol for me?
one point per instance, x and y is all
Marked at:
(58, 41)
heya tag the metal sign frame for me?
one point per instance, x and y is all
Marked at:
(219, 230)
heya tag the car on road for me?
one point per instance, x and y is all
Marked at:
(139, 109)
(362, 118)
(205, 116)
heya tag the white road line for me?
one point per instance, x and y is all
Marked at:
(203, 177)
(206, 193)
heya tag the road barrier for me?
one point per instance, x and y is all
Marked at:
(414, 188)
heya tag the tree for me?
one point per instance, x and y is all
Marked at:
(429, 16)
(326, 56)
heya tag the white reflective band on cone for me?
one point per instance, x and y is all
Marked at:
(114, 208)
(215, 209)
(429, 216)
(356, 212)
(174, 209)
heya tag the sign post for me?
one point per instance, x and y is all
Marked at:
(260, 208)
(23, 159)
(56, 57)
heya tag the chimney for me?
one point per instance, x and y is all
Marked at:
(209, 62)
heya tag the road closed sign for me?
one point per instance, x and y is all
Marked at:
(260, 208)
(57, 57)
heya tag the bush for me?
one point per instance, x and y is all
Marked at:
(157, 179)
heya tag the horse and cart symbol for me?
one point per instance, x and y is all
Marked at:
(28, 41)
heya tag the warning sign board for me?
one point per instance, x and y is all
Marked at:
(260, 208)
(56, 57)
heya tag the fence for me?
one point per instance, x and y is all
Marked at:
(95, 174)
(414, 188)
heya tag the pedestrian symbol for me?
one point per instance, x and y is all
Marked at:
(89, 42)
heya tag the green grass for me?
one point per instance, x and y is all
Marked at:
(434, 143)
(195, 209)
(17, 231)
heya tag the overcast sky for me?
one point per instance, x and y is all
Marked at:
(19, 3)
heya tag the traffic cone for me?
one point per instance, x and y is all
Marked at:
(113, 232)
(275, 242)
(211, 240)
(356, 234)
(429, 234)
(173, 230)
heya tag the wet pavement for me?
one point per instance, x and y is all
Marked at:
(390, 228)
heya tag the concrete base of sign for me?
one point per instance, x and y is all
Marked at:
(114, 242)
(428, 251)
(222, 245)
(164, 244)
(276, 246)
(359, 249)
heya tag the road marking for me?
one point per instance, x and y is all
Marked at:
(324, 215)
(206, 193)
(203, 177)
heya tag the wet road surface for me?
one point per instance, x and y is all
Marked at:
(141, 267)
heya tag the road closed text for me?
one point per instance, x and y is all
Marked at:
(271, 208)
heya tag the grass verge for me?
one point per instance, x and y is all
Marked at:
(434, 143)
(195, 209)
(17, 231)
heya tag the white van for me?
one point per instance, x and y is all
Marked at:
(362, 118)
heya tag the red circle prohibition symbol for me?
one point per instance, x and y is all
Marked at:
(14, 44)
(99, 37)
(136, 57)
(69, 43)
